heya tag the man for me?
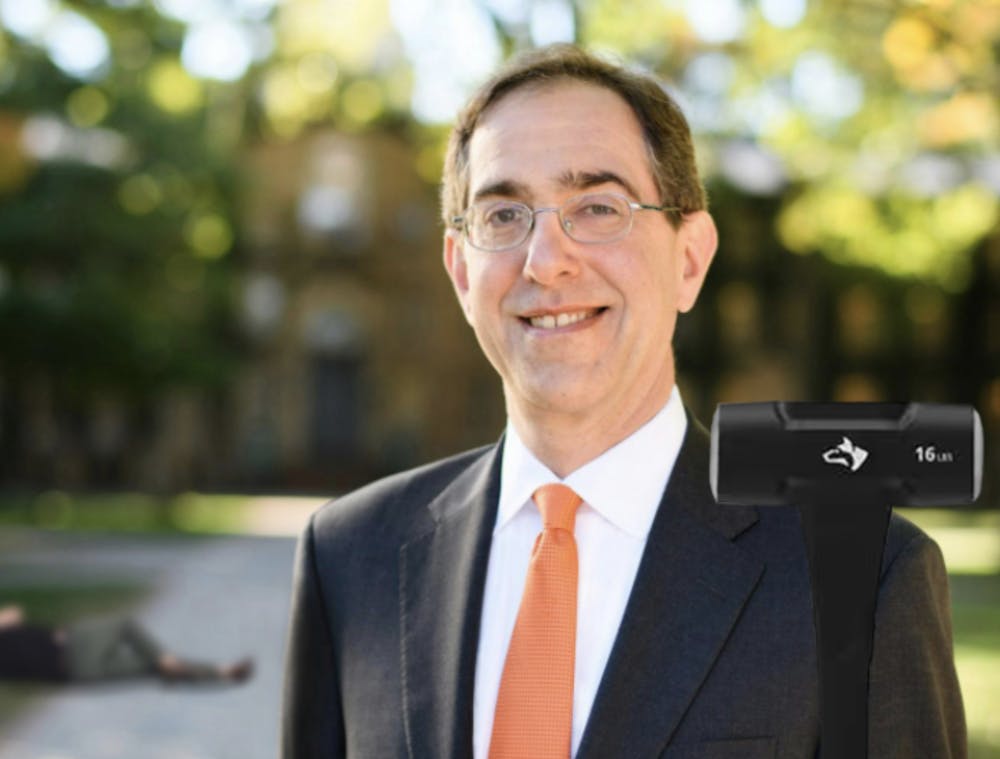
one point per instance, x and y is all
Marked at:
(99, 650)
(576, 232)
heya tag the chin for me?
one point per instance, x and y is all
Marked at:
(562, 397)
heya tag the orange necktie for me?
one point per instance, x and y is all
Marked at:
(534, 716)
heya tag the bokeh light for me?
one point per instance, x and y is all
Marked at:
(217, 49)
(717, 22)
(87, 106)
(172, 88)
(783, 14)
(28, 18)
(452, 46)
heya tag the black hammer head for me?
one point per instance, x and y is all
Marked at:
(904, 454)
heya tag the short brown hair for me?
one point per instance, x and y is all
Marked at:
(666, 131)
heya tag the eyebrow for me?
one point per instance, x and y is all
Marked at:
(504, 188)
(575, 180)
(584, 180)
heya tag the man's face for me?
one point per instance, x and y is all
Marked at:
(612, 363)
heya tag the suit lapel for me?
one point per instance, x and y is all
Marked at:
(442, 576)
(690, 589)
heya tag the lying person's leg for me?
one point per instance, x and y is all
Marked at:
(123, 649)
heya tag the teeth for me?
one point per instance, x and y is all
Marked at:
(550, 321)
(544, 322)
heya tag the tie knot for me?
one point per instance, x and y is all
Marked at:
(558, 505)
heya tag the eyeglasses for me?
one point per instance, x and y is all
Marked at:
(595, 218)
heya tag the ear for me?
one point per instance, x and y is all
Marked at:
(457, 268)
(698, 240)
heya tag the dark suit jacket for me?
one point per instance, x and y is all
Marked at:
(715, 657)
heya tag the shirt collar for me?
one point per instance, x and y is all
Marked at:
(624, 484)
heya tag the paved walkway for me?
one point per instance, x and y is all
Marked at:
(217, 598)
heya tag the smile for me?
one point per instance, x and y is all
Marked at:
(555, 321)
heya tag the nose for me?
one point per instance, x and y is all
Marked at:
(551, 252)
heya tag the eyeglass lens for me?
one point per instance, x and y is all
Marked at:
(495, 225)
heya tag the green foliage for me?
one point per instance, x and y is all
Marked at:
(882, 116)
(114, 232)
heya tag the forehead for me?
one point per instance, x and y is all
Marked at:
(539, 135)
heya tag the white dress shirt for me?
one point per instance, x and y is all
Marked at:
(621, 490)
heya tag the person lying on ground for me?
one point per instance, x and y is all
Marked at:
(98, 650)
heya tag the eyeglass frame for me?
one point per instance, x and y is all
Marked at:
(459, 221)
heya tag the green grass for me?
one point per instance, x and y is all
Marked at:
(931, 518)
(124, 512)
(57, 605)
(976, 618)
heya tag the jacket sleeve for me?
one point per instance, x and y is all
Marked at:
(312, 725)
(915, 703)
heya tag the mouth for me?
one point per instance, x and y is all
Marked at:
(562, 319)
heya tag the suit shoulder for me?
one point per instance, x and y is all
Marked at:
(908, 542)
(902, 532)
(390, 497)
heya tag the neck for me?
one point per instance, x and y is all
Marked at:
(565, 441)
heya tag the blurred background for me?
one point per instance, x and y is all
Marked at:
(221, 297)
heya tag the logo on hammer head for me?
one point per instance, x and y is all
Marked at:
(846, 454)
